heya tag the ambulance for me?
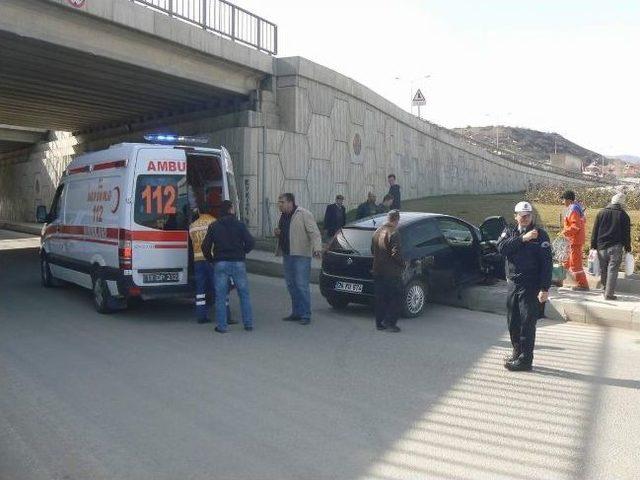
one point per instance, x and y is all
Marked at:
(118, 223)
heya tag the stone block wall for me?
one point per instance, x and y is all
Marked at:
(338, 137)
(30, 177)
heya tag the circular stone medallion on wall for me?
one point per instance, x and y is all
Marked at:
(357, 144)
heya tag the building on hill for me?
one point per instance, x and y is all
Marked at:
(593, 169)
(566, 162)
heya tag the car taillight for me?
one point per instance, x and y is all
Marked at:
(125, 250)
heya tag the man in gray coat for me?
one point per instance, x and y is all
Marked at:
(298, 240)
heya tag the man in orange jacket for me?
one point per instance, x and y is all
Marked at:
(574, 231)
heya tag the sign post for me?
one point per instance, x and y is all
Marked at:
(418, 100)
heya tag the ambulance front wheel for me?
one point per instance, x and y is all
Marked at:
(46, 277)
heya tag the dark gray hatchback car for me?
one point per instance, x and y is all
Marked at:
(441, 252)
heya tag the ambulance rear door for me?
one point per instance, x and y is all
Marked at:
(159, 224)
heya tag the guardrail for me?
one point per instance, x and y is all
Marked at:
(223, 18)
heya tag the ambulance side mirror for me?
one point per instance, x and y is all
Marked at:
(41, 214)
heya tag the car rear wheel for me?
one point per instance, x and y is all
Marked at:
(337, 302)
(415, 299)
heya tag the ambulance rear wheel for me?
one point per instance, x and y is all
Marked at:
(102, 298)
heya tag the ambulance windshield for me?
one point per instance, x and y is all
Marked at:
(161, 202)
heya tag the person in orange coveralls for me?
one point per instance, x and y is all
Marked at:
(574, 232)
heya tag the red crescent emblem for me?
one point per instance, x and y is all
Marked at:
(117, 190)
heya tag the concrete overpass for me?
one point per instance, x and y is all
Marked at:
(114, 61)
(12, 137)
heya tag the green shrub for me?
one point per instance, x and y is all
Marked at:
(591, 197)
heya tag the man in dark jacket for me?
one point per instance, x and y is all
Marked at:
(368, 208)
(231, 241)
(335, 216)
(611, 234)
(394, 191)
(388, 266)
(529, 264)
(385, 206)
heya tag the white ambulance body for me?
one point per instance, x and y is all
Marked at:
(119, 219)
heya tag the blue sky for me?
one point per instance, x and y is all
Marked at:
(565, 66)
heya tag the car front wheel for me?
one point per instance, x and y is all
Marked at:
(337, 302)
(415, 299)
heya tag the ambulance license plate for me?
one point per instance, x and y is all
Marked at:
(349, 287)
(161, 277)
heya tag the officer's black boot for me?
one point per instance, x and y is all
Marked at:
(515, 353)
(520, 364)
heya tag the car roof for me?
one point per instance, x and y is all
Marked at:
(406, 218)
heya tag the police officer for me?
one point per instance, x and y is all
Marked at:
(529, 264)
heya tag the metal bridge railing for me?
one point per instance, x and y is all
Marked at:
(224, 18)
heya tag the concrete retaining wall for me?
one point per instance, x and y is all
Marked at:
(337, 136)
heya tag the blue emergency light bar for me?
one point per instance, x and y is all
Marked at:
(168, 138)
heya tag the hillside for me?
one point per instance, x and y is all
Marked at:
(523, 142)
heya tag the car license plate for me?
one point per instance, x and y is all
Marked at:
(161, 277)
(349, 287)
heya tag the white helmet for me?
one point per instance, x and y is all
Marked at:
(523, 207)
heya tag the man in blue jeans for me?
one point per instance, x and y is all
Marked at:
(298, 240)
(231, 241)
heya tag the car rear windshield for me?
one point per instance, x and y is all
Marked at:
(352, 241)
(161, 202)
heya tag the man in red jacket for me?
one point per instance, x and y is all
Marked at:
(574, 231)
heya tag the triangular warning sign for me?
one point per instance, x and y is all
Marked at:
(419, 97)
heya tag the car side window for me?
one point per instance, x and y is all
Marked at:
(422, 235)
(455, 233)
(56, 204)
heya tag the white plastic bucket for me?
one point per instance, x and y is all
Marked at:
(593, 263)
(629, 264)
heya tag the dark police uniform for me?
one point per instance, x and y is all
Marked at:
(528, 270)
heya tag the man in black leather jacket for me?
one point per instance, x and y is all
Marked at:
(527, 251)
(226, 244)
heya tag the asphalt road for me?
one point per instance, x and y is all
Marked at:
(148, 394)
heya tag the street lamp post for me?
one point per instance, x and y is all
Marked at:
(497, 127)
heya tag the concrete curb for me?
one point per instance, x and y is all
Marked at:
(265, 263)
(483, 298)
(31, 228)
(592, 308)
